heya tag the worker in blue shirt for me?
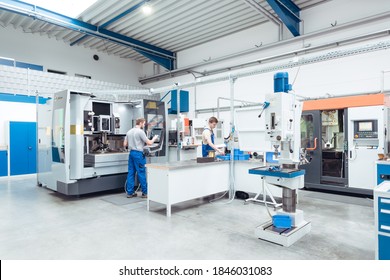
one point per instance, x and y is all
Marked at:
(208, 138)
(135, 141)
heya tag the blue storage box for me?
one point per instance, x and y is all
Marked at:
(241, 157)
(281, 221)
(238, 152)
(225, 157)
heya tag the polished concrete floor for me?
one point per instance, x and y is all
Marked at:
(37, 223)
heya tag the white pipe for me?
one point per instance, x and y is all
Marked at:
(37, 135)
(231, 163)
(178, 123)
(236, 100)
(383, 79)
(386, 91)
(240, 73)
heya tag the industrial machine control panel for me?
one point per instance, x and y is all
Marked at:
(365, 129)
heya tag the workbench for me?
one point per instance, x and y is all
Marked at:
(175, 182)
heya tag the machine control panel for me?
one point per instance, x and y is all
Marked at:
(366, 129)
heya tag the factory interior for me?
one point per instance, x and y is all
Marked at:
(266, 126)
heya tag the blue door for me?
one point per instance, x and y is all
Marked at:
(23, 147)
(3, 163)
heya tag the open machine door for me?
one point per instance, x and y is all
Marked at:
(324, 135)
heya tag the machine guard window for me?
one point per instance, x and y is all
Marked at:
(307, 131)
(58, 141)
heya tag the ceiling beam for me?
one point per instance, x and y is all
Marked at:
(161, 56)
(259, 8)
(288, 12)
(118, 17)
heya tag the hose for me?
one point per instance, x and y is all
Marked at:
(265, 198)
(136, 190)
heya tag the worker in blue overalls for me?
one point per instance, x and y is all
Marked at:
(135, 141)
(208, 139)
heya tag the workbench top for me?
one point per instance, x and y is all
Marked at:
(192, 163)
(382, 162)
(181, 164)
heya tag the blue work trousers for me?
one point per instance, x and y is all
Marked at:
(137, 163)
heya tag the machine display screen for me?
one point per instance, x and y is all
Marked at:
(365, 129)
(365, 126)
(158, 132)
(100, 108)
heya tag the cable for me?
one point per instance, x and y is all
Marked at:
(214, 199)
(265, 197)
(296, 75)
(266, 207)
(136, 190)
(231, 191)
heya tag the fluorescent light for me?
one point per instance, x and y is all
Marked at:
(70, 8)
(147, 9)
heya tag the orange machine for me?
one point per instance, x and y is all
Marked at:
(343, 136)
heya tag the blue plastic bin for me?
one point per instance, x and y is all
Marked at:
(241, 157)
(281, 221)
(225, 157)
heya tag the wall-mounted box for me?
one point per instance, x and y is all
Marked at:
(184, 102)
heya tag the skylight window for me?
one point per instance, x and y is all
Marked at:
(70, 8)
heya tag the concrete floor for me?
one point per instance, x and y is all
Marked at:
(37, 223)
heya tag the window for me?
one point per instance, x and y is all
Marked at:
(56, 72)
(82, 76)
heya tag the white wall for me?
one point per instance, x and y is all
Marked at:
(346, 75)
(263, 34)
(14, 111)
(57, 55)
(343, 11)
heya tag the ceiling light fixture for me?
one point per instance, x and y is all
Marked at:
(147, 9)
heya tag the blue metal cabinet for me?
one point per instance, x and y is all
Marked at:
(383, 172)
(382, 220)
(384, 242)
(3, 163)
(184, 102)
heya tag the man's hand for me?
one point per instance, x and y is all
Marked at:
(155, 138)
(221, 152)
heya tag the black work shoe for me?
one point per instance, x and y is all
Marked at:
(131, 195)
(144, 195)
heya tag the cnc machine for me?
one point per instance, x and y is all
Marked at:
(86, 135)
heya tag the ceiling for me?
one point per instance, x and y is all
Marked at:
(174, 25)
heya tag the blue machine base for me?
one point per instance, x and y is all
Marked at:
(283, 173)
